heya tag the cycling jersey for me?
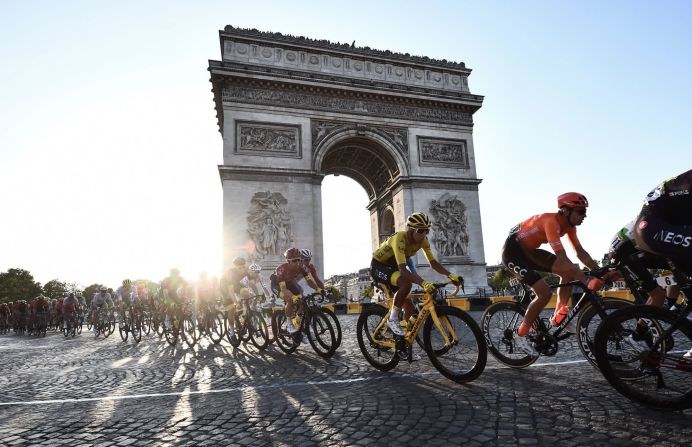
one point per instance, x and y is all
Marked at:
(664, 225)
(291, 272)
(395, 250)
(230, 282)
(70, 304)
(100, 299)
(544, 228)
(126, 294)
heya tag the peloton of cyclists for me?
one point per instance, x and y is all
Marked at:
(101, 299)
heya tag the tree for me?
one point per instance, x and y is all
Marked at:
(91, 290)
(369, 291)
(55, 288)
(500, 280)
(18, 284)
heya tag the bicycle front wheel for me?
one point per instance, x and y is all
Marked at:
(334, 320)
(321, 334)
(284, 339)
(257, 330)
(463, 355)
(499, 324)
(651, 373)
(588, 323)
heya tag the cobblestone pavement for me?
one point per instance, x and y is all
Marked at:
(88, 391)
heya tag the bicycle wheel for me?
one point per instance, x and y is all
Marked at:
(170, 331)
(80, 323)
(285, 340)
(321, 334)
(257, 331)
(232, 330)
(216, 327)
(374, 339)
(463, 357)
(188, 331)
(588, 323)
(124, 327)
(499, 323)
(659, 377)
(335, 324)
(137, 328)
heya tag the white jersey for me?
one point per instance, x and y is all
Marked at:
(626, 234)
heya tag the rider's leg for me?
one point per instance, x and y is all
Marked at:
(404, 287)
(543, 295)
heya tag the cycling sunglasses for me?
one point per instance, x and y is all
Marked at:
(422, 230)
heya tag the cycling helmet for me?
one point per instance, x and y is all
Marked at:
(79, 293)
(305, 253)
(292, 253)
(572, 200)
(254, 267)
(127, 283)
(418, 220)
(239, 261)
(103, 289)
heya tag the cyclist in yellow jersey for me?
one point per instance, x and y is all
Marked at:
(389, 266)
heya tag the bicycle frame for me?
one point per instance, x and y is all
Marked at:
(427, 310)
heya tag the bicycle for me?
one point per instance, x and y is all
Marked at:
(314, 323)
(451, 337)
(500, 321)
(249, 324)
(211, 322)
(641, 351)
(70, 329)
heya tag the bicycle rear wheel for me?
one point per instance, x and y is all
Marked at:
(377, 345)
(588, 323)
(499, 324)
(463, 357)
(659, 377)
(216, 327)
(321, 334)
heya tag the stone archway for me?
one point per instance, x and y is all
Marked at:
(292, 110)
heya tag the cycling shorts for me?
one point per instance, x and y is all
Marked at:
(382, 273)
(636, 264)
(525, 265)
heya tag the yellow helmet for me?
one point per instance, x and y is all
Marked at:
(418, 220)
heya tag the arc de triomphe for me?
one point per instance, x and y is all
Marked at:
(292, 110)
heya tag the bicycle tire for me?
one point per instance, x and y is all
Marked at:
(588, 322)
(217, 329)
(499, 323)
(284, 340)
(321, 334)
(189, 331)
(137, 328)
(234, 340)
(460, 365)
(638, 374)
(335, 324)
(124, 329)
(257, 331)
(383, 358)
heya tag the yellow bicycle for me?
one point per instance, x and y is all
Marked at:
(451, 338)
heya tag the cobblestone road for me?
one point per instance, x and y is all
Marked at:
(90, 391)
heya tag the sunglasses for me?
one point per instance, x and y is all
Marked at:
(422, 230)
(581, 211)
(294, 260)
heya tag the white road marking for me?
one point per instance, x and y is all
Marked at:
(250, 387)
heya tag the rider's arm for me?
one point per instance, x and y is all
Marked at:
(582, 255)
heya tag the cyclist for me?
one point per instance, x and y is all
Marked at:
(306, 257)
(664, 224)
(253, 281)
(70, 307)
(284, 282)
(389, 265)
(624, 250)
(101, 298)
(522, 256)
(230, 285)
(125, 298)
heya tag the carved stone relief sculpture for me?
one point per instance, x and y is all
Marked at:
(450, 236)
(269, 224)
(447, 152)
(397, 136)
(267, 139)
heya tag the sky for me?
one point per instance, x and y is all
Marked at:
(109, 144)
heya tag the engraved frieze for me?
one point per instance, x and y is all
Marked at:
(450, 235)
(446, 152)
(269, 224)
(318, 101)
(397, 136)
(267, 139)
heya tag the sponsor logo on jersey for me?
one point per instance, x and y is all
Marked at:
(673, 238)
(517, 269)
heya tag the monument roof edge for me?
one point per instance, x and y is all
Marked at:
(323, 44)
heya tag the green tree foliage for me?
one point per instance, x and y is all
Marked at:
(500, 280)
(369, 291)
(18, 284)
(55, 288)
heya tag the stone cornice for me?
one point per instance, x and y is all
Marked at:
(281, 175)
(349, 49)
(227, 88)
